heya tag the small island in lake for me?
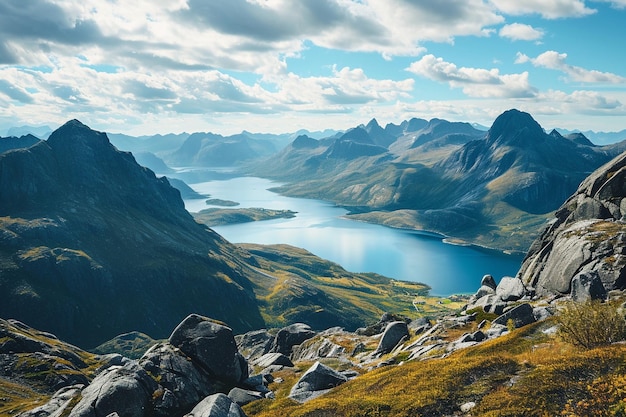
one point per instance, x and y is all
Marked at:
(220, 217)
(220, 202)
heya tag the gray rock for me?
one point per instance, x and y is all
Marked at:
(243, 396)
(484, 290)
(587, 285)
(317, 380)
(521, 316)
(289, 336)
(381, 325)
(488, 281)
(125, 390)
(217, 405)
(419, 325)
(586, 236)
(275, 358)
(204, 340)
(316, 348)
(489, 304)
(393, 334)
(541, 313)
(496, 330)
(57, 405)
(254, 344)
(182, 383)
(510, 289)
(477, 336)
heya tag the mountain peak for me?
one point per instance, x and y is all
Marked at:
(74, 135)
(514, 126)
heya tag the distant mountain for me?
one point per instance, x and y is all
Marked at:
(41, 132)
(493, 188)
(12, 142)
(599, 138)
(93, 245)
(150, 160)
(156, 144)
(212, 150)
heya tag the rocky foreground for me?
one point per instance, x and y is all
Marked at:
(202, 369)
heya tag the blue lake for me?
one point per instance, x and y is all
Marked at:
(358, 247)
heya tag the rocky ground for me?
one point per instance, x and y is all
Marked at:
(205, 370)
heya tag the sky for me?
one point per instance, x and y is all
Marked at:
(143, 67)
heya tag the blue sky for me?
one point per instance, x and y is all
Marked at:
(159, 66)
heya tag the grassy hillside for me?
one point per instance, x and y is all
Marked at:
(529, 372)
(295, 285)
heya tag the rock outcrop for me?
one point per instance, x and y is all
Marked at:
(316, 381)
(586, 240)
(191, 372)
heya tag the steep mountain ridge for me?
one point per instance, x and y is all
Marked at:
(92, 245)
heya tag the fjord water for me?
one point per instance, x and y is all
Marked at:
(358, 247)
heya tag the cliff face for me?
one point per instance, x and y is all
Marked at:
(93, 245)
(585, 243)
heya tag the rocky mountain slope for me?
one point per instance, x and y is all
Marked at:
(495, 189)
(93, 245)
(584, 247)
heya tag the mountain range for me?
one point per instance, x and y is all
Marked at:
(493, 188)
(93, 245)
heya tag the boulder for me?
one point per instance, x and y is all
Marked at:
(587, 285)
(496, 330)
(394, 333)
(125, 390)
(217, 405)
(244, 396)
(254, 344)
(477, 336)
(289, 336)
(542, 313)
(510, 289)
(380, 326)
(521, 316)
(317, 380)
(275, 358)
(489, 304)
(58, 404)
(182, 384)
(420, 325)
(488, 281)
(484, 290)
(204, 340)
(316, 348)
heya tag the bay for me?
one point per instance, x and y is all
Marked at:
(358, 247)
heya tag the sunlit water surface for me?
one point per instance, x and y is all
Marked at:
(358, 247)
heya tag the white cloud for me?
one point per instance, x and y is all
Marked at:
(549, 9)
(521, 32)
(475, 82)
(556, 61)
